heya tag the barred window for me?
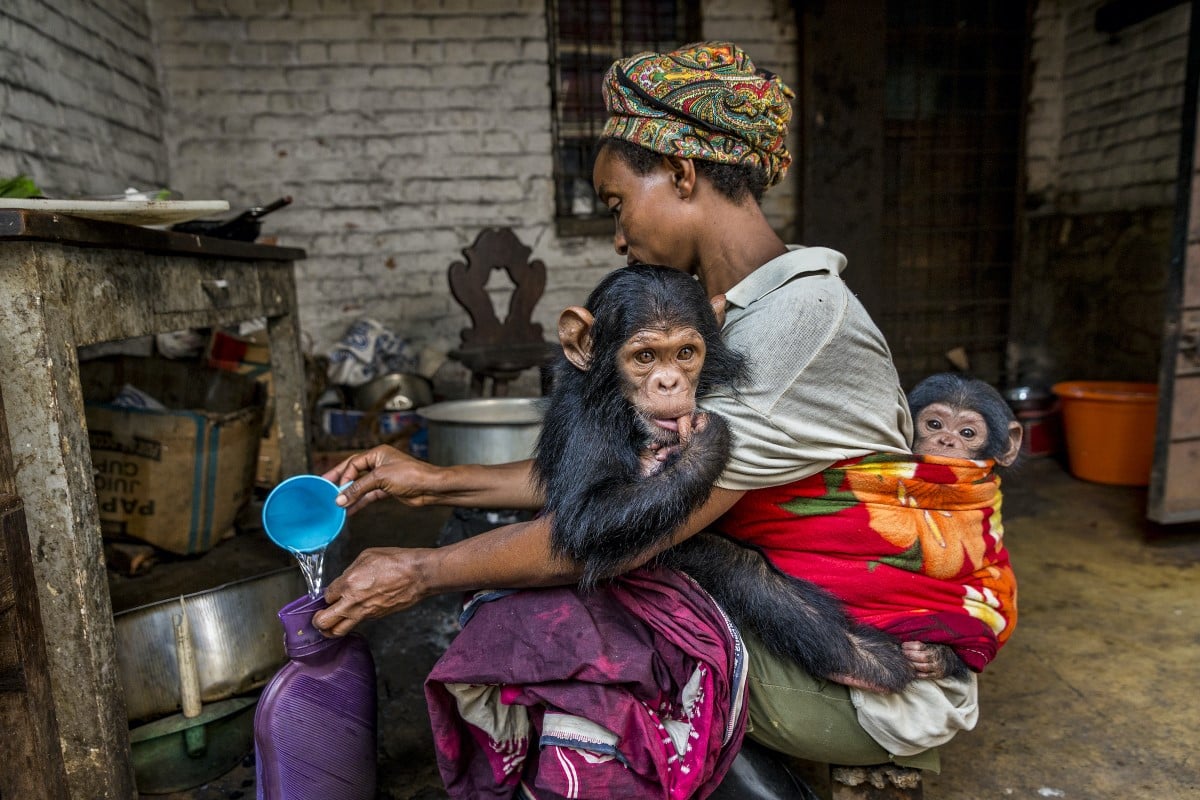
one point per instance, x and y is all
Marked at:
(586, 36)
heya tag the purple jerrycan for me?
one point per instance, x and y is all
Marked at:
(314, 729)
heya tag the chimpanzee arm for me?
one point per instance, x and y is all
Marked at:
(793, 618)
(613, 523)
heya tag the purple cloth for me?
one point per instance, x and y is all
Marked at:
(635, 689)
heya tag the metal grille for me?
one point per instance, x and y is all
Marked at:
(586, 37)
(953, 101)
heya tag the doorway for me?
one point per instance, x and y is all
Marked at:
(911, 165)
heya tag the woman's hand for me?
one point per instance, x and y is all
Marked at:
(384, 471)
(381, 580)
(387, 579)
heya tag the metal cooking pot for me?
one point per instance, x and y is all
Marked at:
(493, 430)
(393, 391)
(236, 636)
(1029, 398)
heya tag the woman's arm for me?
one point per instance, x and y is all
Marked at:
(384, 580)
(386, 472)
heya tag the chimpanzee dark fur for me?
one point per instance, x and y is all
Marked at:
(606, 513)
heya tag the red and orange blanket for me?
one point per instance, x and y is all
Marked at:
(913, 545)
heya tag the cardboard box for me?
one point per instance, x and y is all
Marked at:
(177, 478)
(251, 356)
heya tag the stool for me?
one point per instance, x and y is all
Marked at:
(491, 349)
(875, 782)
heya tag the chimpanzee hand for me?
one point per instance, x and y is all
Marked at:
(656, 455)
(933, 661)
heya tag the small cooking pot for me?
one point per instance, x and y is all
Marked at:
(1029, 398)
(493, 430)
(393, 391)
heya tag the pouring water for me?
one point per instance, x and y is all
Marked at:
(313, 566)
(302, 516)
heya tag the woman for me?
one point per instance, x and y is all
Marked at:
(694, 139)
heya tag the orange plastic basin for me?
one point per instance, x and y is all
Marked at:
(1109, 427)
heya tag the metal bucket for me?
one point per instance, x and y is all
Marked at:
(483, 431)
(235, 633)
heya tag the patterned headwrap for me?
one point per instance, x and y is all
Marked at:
(706, 101)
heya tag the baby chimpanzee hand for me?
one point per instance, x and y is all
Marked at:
(933, 661)
(656, 455)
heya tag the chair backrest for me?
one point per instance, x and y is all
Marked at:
(498, 248)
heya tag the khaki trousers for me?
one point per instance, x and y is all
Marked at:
(794, 713)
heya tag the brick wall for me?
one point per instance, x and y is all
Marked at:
(401, 129)
(1102, 155)
(1104, 117)
(80, 107)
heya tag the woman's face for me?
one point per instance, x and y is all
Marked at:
(647, 211)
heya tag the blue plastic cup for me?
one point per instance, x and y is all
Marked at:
(301, 513)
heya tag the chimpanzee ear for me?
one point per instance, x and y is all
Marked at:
(1015, 434)
(575, 334)
(718, 306)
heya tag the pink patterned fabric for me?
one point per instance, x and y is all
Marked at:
(633, 690)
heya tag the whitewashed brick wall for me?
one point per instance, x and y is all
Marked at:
(767, 31)
(1104, 118)
(80, 107)
(401, 129)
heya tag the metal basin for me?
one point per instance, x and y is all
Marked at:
(483, 431)
(174, 754)
(235, 632)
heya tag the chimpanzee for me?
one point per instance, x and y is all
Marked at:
(958, 416)
(624, 458)
(963, 417)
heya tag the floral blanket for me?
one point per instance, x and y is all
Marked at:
(635, 689)
(913, 545)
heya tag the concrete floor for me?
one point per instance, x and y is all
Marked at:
(1094, 697)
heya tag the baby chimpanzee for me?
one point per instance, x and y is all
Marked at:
(625, 457)
(959, 417)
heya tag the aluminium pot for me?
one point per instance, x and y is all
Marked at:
(495, 430)
(234, 631)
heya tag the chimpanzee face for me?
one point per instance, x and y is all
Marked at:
(946, 430)
(660, 370)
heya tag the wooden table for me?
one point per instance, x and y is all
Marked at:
(66, 282)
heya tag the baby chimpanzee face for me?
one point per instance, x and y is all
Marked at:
(945, 430)
(660, 370)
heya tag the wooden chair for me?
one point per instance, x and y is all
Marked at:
(491, 348)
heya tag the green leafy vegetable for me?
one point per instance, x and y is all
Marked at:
(20, 187)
